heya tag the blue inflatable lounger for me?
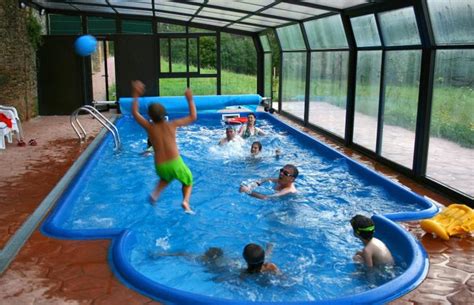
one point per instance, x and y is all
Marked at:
(176, 104)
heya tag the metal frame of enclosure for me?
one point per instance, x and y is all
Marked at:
(257, 18)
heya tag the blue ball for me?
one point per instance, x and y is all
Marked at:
(85, 45)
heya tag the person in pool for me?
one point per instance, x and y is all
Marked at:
(284, 184)
(168, 163)
(213, 258)
(254, 256)
(230, 136)
(249, 129)
(375, 252)
(256, 149)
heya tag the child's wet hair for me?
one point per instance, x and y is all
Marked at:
(156, 112)
(213, 253)
(254, 255)
(363, 226)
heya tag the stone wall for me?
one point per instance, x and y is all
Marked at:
(18, 78)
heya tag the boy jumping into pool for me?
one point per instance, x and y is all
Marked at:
(375, 252)
(162, 134)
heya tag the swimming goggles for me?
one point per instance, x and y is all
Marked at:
(285, 172)
(367, 229)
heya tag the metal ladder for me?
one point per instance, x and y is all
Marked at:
(81, 133)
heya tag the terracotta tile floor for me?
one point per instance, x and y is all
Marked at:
(53, 271)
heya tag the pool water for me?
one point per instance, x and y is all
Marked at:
(310, 231)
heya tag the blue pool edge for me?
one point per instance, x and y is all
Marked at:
(415, 273)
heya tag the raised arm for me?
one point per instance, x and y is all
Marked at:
(241, 130)
(138, 88)
(192, 111)
(259, 132)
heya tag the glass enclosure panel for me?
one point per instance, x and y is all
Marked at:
(57, 6)
(239, 64)
(193, 54)
(341, 4)
(178, 55)
(174, 6)
(401, 78)
(65, 25)
(214, 22)
(328, 90)
(133, 12)
(267, 69)
(326, 33)
(199, 30)
(221, 14)
(399, 27)
(294, 11)
(369, 64)
(452, 21)
(265, 43)
(137, 27)
(203, 86)
(291, 38)
(164, 55)
(294, 80)
(172, 86)
(241, 5)
(365, 31)
(245, 27)
(131, 3)
(99, 25)
(87, 9)
(275, 64)
(264, 21)
(170, 28)
(208, 54)
(172, 16)
(451, 149)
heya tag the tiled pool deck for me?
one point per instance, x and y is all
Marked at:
(53, 271)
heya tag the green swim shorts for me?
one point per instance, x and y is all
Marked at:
(175, 169)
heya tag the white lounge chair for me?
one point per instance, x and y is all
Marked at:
(12, 114)
(5, 132)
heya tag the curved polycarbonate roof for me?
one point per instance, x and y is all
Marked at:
(242, 15)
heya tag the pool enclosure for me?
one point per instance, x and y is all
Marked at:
(392, 79)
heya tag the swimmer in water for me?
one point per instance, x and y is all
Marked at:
(284, 184)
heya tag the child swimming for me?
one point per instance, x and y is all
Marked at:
(254, 256)
(375, 251)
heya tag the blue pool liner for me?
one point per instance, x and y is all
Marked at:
(397, 239)
(175, 104)
(392, 234)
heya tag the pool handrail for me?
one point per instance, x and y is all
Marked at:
(81, 133)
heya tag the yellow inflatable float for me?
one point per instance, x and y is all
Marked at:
(456, 219)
